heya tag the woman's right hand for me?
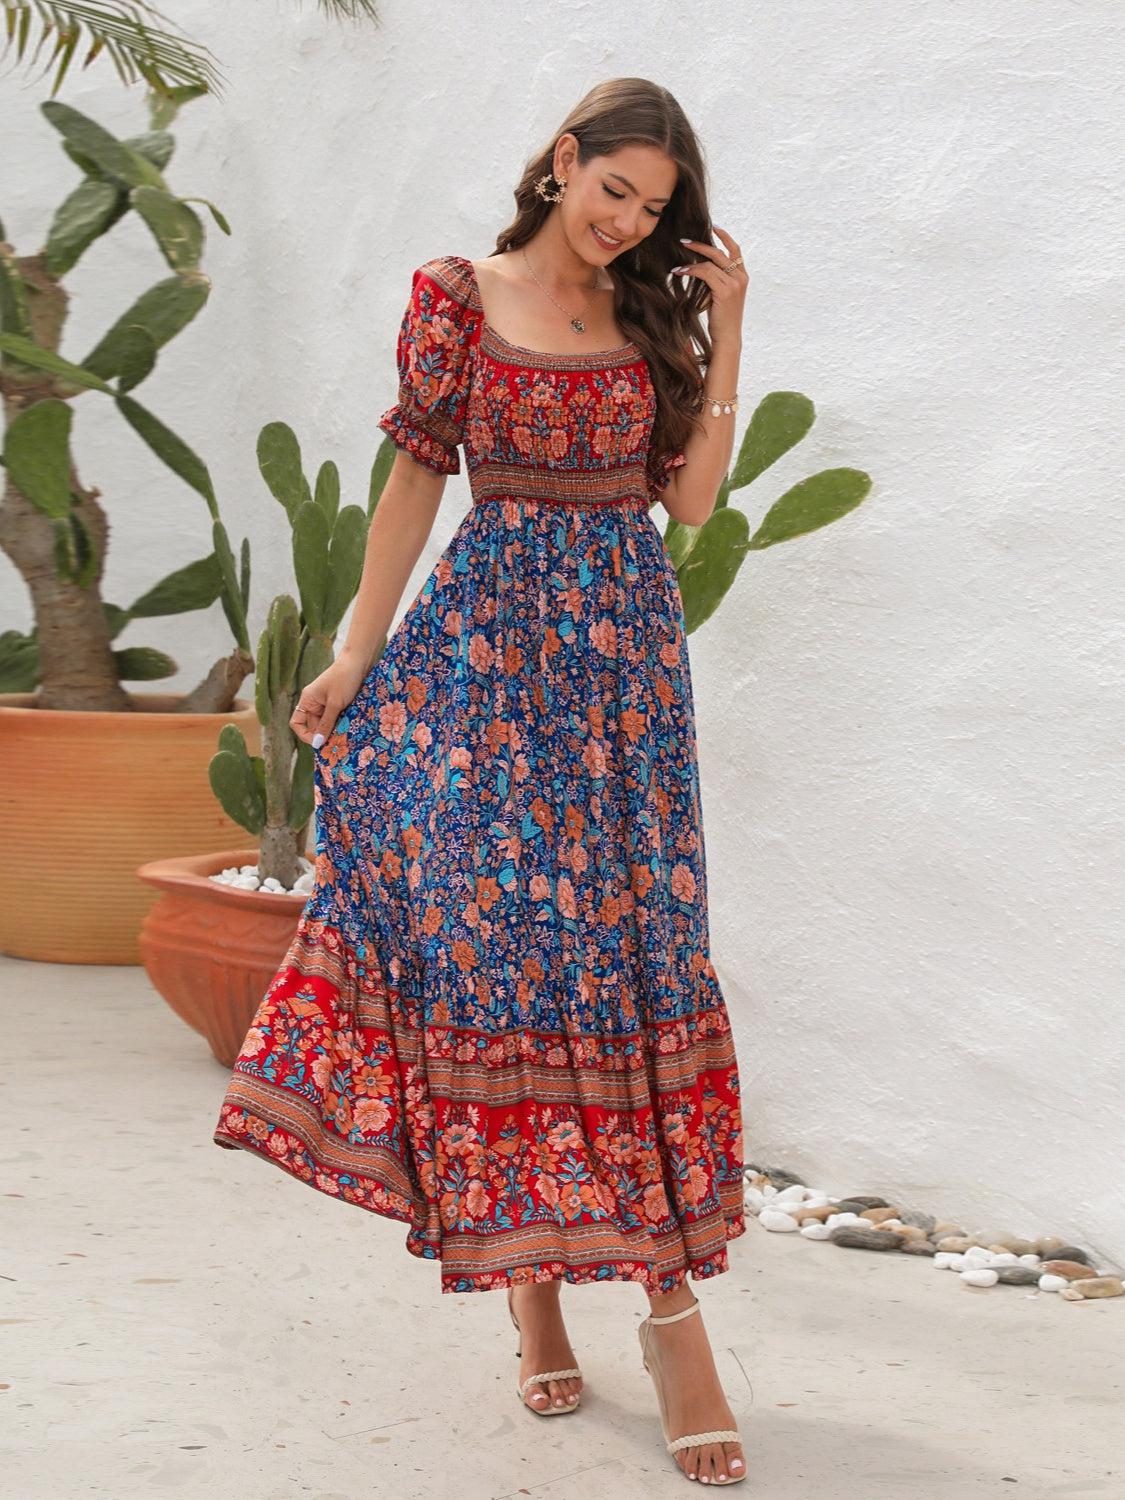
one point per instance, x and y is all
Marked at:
(325, 698)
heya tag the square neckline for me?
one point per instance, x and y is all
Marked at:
(544, 354)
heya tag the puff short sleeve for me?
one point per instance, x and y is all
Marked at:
(434, 340)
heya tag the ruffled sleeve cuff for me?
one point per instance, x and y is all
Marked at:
(407, 433)
(659, 474)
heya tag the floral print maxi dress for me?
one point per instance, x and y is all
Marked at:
(498, 1021)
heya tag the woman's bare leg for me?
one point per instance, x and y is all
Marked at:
(545, 1344)
(695, 1397)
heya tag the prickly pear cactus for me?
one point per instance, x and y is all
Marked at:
(271, 795)
(707, 558)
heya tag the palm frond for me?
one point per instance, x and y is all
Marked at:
(121, 29)
(349, 10)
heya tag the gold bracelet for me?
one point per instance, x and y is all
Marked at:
(718, 404)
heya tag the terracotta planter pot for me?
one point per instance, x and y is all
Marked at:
(211, 950)
(87, 797)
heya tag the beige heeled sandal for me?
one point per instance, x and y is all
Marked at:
(550, 1410)
(690, 1439)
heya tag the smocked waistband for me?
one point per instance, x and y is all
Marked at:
(571, 502)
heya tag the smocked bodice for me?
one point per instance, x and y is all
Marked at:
(571, 428)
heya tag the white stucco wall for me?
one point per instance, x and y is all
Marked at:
(911, 724)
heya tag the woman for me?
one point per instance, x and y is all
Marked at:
(499, 1021)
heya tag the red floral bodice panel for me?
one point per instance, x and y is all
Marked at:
(572, 427)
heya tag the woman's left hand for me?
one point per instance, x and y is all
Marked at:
(728, 287)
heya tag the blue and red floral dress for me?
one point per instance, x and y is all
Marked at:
(498, 1021)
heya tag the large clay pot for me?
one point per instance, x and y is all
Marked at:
(87, 797)
(210, 949)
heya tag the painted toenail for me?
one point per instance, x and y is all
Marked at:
(736, 1463)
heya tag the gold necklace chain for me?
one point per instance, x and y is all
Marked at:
(575, 321)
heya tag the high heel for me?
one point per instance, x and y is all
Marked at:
(550, 1410)
(689, 1439)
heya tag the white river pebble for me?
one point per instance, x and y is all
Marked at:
(777, 1220)
(979, 1276)
(813, 1229)
(834, 1220)
(794, 1195)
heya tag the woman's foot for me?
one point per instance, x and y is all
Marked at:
(544, 1344)
(694, 1396)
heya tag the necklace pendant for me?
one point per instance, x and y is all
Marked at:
(578, 325)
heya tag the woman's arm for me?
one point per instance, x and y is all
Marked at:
(399, 529)
(690, 493)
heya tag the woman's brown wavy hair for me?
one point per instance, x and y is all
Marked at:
(659, 312)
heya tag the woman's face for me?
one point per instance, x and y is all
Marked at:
(613, 202)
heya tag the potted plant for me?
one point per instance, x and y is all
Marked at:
(217, 935)
(94, 777)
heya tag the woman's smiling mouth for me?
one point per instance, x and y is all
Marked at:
(604, 239)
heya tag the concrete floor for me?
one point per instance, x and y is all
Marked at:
(185, 1321)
